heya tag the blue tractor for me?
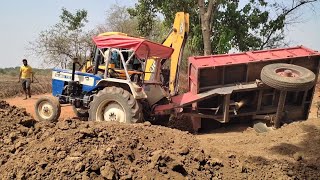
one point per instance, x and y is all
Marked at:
(114, 87)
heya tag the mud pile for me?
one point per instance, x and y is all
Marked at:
(72, 149)
(15, 128)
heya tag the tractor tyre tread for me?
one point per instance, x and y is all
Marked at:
(56, 108)
(133, 107)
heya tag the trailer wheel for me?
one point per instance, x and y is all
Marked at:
(82, 113)
(287, 77)
(48, 109)
(115, 104)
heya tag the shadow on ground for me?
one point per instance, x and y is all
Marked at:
(304, 158)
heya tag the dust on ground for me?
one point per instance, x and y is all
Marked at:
(73, 149)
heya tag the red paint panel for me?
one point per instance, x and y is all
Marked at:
(177, 101)
(246, 57)
(161, 108)
(184, 98)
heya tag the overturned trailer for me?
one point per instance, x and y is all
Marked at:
(267, 86)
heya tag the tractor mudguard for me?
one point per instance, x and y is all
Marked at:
(137, 91)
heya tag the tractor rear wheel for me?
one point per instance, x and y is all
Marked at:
(48, 109)
(287, 77)
(115, 104)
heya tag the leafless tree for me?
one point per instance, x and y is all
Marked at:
(286, 15)
(118, 20)
(58, 44)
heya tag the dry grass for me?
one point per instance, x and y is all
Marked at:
(9, 86)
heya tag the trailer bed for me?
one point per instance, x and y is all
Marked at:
(218, 83)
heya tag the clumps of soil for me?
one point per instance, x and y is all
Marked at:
(72, 149)
(15, 127)
(183, 123)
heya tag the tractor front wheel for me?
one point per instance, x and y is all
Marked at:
(48, 109)
(115, 104)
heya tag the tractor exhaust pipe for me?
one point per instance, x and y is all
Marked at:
(74, 61)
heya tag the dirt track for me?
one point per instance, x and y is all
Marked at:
(66, 110)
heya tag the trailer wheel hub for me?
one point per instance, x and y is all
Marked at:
(114, 112)
(285, 72)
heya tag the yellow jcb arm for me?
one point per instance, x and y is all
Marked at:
(176, 39)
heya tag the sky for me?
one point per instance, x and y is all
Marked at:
(22, 21)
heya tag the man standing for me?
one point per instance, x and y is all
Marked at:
(26, 75)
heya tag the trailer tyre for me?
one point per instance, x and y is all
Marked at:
(115, 104)
(48, 109)
(287, 77)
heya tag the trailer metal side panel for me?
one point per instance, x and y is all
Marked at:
(228, 87)
(208, 74)
(253, 56)
(218, 70)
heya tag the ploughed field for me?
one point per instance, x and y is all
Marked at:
(9, 86)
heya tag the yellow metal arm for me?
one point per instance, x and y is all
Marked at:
(176, 39)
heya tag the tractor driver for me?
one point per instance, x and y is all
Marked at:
(26, 75)
(115, 59)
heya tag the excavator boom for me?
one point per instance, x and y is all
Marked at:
(176, 39)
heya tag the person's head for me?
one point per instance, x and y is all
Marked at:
(25, 62)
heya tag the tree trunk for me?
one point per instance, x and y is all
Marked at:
(206, 16)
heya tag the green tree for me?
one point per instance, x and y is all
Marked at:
(217, 26)
(74, 21)
(64, 41)
(145, 13)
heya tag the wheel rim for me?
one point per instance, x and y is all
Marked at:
(111, 111)
(45, 110)
(287, 72)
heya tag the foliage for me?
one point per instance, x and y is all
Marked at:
(159, 32)
(64, 41)
(74, 21)
(256, 24)
(118, 20)
(145, 13)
